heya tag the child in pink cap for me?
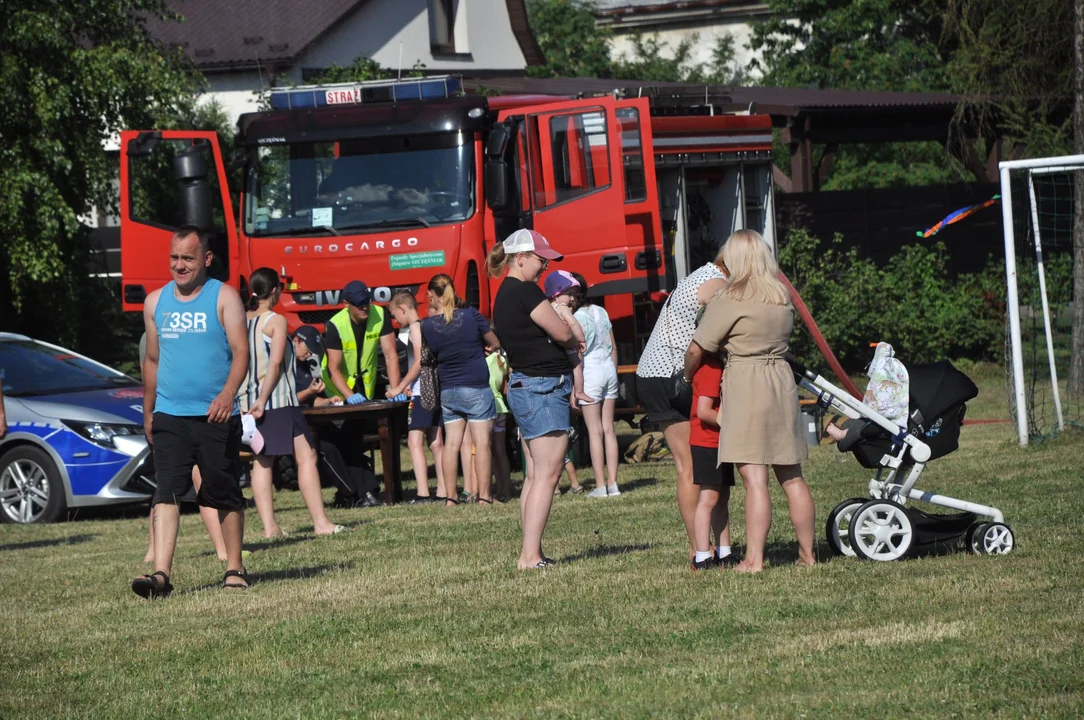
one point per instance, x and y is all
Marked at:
(557, 285)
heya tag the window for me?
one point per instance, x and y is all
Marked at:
(442, 25)
(633, 153)
(578, 158)
(159, 197)
(306, 188)
(31, 368)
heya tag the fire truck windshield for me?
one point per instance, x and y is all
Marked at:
(355, 185)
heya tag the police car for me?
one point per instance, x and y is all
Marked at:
(75, 434)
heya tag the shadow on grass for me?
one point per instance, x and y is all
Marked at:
(30, 544)
(301, 573)
(786, 553)
(637, 483)
(606, 551)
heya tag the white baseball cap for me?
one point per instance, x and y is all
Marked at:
(524, 240)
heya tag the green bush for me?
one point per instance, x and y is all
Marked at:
(911, 302)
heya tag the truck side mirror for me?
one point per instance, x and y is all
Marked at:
(190, 169)
(498, 194)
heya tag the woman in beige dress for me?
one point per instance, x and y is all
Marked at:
(751, 318)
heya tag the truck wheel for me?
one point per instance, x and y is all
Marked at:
(31, 489)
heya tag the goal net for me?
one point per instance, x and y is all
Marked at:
(1039, 217)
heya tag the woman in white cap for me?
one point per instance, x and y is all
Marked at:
(535, 340)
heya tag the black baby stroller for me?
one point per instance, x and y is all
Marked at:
(932, 403)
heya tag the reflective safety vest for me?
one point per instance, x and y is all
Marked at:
(351, 366)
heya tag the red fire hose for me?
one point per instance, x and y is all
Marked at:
(810, 323)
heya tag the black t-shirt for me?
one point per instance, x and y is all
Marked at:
(332, 341)
(530, 350)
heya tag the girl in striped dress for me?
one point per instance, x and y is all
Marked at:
(269, 395)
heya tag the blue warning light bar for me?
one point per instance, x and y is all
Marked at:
(372, 91)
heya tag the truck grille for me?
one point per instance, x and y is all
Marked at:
(316, 317)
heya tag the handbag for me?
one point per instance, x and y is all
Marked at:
(429, 384)
(681, 392)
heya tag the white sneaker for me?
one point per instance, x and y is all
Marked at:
(557, 491)
(599, 492)
(612, 490)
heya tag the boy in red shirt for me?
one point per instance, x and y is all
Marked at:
(715, 480)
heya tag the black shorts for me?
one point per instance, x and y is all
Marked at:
(655, 396)
(279, 427)
(420, 418)
(182, 442)
(705, 471)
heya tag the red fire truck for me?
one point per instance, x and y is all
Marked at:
(391, 182)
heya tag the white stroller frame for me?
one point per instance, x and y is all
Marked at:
(985, 538)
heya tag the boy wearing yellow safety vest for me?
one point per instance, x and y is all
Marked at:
(353, 336)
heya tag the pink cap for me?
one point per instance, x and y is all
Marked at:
(524, 240)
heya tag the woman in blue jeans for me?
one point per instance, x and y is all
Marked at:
(458, 339)
(535, 340)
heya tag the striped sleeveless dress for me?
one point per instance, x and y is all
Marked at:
(284, 394)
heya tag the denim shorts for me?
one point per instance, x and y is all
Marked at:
(539, 404)
(467, 403)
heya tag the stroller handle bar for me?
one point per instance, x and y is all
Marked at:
(828, 395)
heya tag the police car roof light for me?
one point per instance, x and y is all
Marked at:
(371, 91)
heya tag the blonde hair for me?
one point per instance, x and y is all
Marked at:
(496, 261)
(753, 272)
(404, 298)
(441, 286)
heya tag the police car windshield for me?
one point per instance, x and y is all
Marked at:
(358, 185)
(30, 368)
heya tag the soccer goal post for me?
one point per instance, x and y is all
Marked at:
(1038, 210)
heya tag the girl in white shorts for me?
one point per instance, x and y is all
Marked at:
(600, 383)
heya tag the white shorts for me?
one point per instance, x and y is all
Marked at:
(600, 379)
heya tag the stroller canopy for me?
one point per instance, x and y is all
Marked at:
(938, 386)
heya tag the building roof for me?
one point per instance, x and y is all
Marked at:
(219, 35)
(247, 33)
(618, 7)
(769, 100)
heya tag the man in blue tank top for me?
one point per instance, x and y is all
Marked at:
(197, 357)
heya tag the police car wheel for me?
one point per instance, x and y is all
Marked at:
(31, 489)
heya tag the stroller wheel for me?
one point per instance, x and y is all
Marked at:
(837, 529)
(881, 530)
(974, 534)
(995, 539)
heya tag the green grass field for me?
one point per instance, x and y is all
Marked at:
(419, 612)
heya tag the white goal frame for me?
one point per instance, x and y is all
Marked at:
(1036, 166)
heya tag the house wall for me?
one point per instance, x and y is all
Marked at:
(483, 38)
(707, 33)
(235, 91)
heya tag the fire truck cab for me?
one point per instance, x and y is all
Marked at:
(391, 182)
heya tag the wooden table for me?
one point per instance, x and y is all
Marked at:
(391, 418)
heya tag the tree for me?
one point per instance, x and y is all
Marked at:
(855, 45)
(72, 75)
(572, 44)
(1025, 71)
(886, 45)
(654, 60)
